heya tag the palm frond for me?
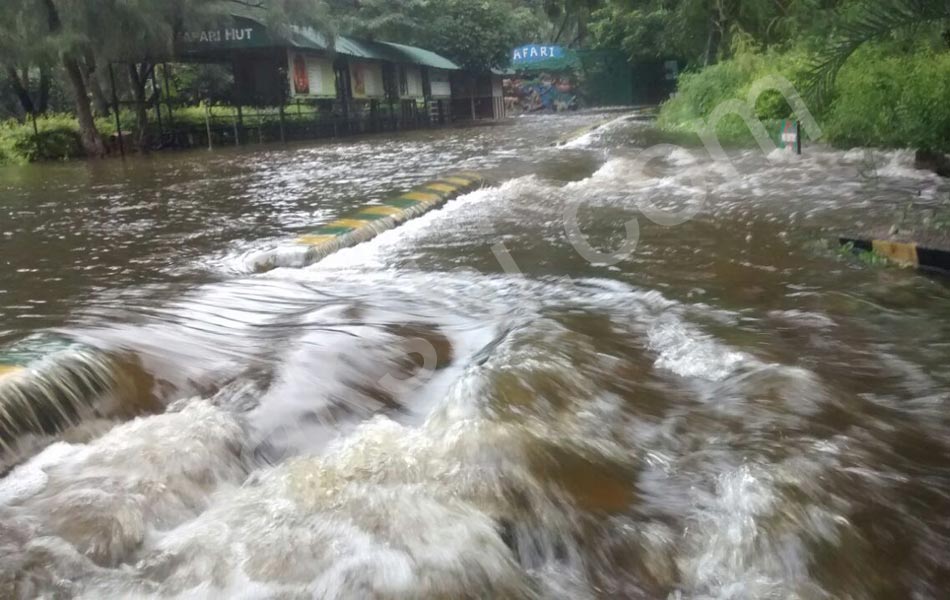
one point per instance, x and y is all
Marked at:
(870, 21)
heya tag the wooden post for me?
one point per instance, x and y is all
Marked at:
(158, 103)
(237, 140)
(115, 109)
(208, 125)
(283, 137)
(168, 102)
(472, 98)
(36, 129)
(426, 95)
(240, 118)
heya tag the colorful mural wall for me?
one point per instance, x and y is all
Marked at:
(552, 78)
(537, 91)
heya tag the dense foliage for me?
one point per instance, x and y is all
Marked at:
(877, 70)
(882, 79)
(477, 35)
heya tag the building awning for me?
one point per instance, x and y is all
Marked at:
(307, 37)
(251, 32)
(421, 56)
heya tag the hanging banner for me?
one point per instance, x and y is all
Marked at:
(301, 77)
(310, 75)
(535, 53)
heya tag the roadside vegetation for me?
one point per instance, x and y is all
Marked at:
(884, 96)
(873, 72)
(57, 135)
(57, 62)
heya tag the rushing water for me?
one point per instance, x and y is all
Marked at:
(466, 406)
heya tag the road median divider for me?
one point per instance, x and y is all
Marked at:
(366, 222)
(55, 389)
(907, 254)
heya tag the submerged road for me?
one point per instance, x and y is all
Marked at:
(593, 377)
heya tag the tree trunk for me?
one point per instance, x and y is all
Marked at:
(42, 103)
(583, 16)
(139, 78)
(560, 30)
(99, 101)
(22, 93)
(88, 134)
(712, 41)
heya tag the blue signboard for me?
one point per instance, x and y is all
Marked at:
(535, 53)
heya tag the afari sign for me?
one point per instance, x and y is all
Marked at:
(243, 33)
(228, 34)
(535, 53)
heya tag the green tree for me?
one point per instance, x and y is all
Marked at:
(570, 19)
(393, 20)
(25, 53)
(140, 32)
(870, 21)
(704, 31)
(477, 35)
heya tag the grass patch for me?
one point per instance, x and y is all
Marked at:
(57, 135)
(866, 257)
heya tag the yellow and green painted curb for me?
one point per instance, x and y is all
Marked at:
(44, 393)
(48, 384)
(907, 254)
(368, 221)
(7, 370)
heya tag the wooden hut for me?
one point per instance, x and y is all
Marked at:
(370, 85)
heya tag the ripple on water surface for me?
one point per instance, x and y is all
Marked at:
(729, 412)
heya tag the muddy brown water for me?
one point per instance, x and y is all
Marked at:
(470, 405)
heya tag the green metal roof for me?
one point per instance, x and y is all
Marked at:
(421, 56)
(308, 37)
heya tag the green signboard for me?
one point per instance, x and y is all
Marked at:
(239, 33)
(788, 136)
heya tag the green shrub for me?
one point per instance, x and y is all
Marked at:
(892, 100)
(699, 93)
(50, 144)
(56, 138)
(884, 96)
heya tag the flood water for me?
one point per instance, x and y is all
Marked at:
(483, 402)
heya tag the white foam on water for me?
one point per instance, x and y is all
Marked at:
(804, 318)
(689, 353)
(105, 497)
(388, 511)
(450, 505)
(590, 138)
(384, 508)
(30, 478)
